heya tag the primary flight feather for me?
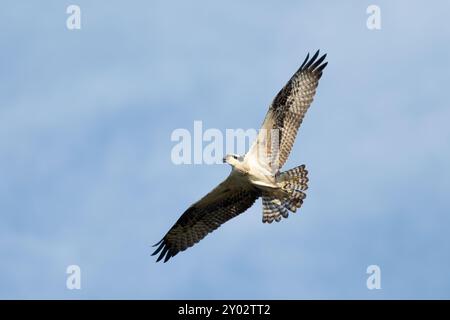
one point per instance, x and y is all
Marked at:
(257, 174)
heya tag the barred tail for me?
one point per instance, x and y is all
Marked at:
(293, 182)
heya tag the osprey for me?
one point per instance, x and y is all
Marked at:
(257, 173)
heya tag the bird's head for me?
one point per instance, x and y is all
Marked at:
(233, 159)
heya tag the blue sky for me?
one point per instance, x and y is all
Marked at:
(86, 176)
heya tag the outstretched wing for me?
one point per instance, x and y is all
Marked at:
(285, 115)
(226, 201)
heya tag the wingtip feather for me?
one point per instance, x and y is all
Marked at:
(321, 67)
(162, 254)
(318, 62)
(311, 61)
(161, 246)
(304, 62)
(159, 242)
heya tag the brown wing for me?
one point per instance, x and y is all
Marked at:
(285, 115)
(225, 202)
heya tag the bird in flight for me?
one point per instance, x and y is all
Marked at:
(257, 173)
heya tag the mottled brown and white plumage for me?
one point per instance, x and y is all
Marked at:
(257, 174)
